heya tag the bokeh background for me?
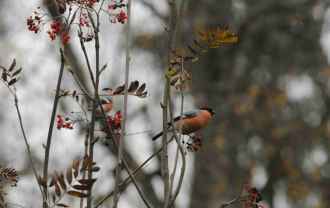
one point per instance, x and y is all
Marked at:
(270, 92)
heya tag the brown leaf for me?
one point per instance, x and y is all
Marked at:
(144, 94)
(96, 168)
(174, 80)
(62, 205)
(77, 194)
(16, 72)
(69, 175)
(52, 181)
(81, 187)
(141, 89)
(12, 81)
(75, 166)
(87, 182)
(12, 66)
(62, 181)
(57, 189)
(4, 76)
(87, 163)
(192, 50)
(119, 90)
(133, 86)
(42, 181)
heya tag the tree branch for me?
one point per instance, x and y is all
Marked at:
(51, 126)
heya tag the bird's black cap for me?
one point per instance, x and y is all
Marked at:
(208, 109)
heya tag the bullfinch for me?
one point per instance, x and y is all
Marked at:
(106, 103)
(191, 121)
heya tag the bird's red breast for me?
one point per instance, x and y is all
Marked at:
(193, 124)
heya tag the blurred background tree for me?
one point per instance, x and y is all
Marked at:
(271, 95)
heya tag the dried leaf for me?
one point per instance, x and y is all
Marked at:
(87, 162)
(96, 168)
(192, 50)
(77, 194)
(62, 205)
(141, 89)
(69, 175)
(12, 66)
(170, 72)
(133, 86)
(81, 187)
(4, 76)
(16, 72)
(119, 90)
(144, 94)
(75, 166)
(41, 181)
(62, 181)
(174, 80)
(52, 181)
(12, 81)
(198, 44)
(87, 182)
(57, 189)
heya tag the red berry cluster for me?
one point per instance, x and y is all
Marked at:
(84, 20)
(253, 197)
(194, 143)
(120, 16)
(115, 121)
(62, 122)
(57, 29)
(87, 33)
(34, 21)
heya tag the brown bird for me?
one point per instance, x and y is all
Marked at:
(191, 121)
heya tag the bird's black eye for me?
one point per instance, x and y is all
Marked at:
(104, 102)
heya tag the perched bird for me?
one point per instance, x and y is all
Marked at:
(191, 121)
(106, 103)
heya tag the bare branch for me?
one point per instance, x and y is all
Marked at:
(51, 126)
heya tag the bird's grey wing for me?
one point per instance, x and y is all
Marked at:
(187, 114)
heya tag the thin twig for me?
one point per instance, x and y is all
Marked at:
(123, 130)
(180, 148)
(85, 155)
(111, 136)
(176, 159)
(164, 154)
(110, 133)
(51, 126)
(128, 179)
(28, 149)
(96, 89)
(166, 102)
(83, 48)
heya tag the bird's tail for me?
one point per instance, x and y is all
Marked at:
(157, 136)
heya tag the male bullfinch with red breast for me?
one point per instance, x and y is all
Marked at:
(106, 104)
(191, 121)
